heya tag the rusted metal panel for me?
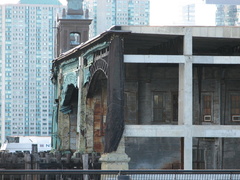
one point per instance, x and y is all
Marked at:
(98, 127)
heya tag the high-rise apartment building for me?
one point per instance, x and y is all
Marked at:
(188, 14)
(197, 13)
(105, 14)
(227, 13)
(26, 53)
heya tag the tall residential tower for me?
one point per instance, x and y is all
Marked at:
(114, 12)
(26, 53)
(227, 13)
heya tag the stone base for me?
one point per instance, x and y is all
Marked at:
(114, 161)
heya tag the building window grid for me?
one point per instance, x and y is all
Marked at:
(235, 106)
(158, 107)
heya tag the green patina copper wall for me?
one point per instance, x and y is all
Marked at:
(70, 76)
(88, 60)
(66, 78)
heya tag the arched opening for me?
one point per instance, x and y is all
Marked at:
(70, 106)
(97, 103)
(75, 38)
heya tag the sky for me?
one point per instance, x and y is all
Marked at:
(168, 12)
(15, 1)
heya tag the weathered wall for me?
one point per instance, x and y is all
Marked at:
(207, 153)
(153, 153)
(231, 156)
(95, 118)
(142, 81)
(216, 153)
(63, 131)
(67, 98)
(219, 82)
(73, 135)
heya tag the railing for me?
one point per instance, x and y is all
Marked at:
(119, 175)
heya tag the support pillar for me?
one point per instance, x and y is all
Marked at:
(186, 97)
(187, 153)
(116, 160)
(185, 92)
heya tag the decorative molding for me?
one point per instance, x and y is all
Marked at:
(100, 64)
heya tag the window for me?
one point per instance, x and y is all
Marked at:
(175, 107)
(235, 107)
(74, 39)
(158, 113)
(207, 107)
(130, 109)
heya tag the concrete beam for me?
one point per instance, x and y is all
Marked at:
(154, 59)
(197, 31)
(227, 131)
(216, 59)
(177, 59)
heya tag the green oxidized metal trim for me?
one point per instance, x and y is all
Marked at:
(55, 138)
(70, 65)
(69, 82)
(86, 75)
(69, 79)
(89, 57)
(95, 48)
(70, 76)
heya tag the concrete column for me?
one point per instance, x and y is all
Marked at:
(185, 81)
(117, 160)
(186, 96)
(187, 41)
(185, 92)
(187, 153)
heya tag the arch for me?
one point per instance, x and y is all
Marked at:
(66, 102)
(95, 82)
(97, 109)
(70, 106)
(75, 38)
(101, 65)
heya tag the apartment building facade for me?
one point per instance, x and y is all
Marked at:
(227, 12)
(27, 47)
(105, 14)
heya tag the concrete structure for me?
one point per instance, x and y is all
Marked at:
(152, 97)
(108, 13)
(26, 45)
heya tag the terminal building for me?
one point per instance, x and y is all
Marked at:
(151, 98)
